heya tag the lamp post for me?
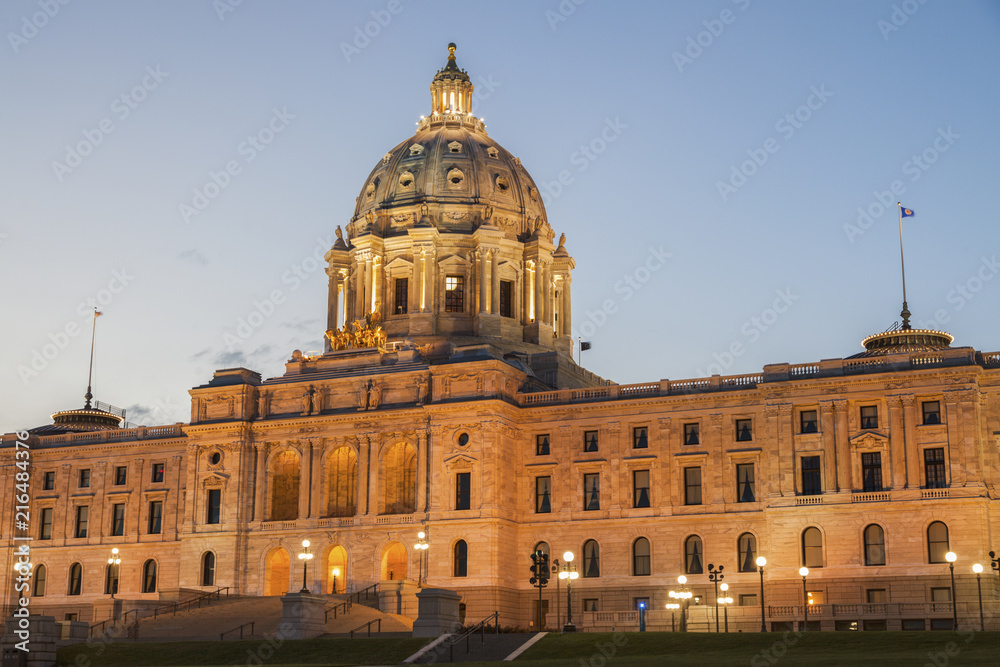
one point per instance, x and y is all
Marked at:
(994, 561)
(715, 576)
(761, 562)
(422, 547)
(804, 572)
(305, 557)
(555, 572)
(725, 602)
(951, 558)
(673, 607)
(336, 573)
(978, 569)
(114, 567)
(683, 597)
(569, 573)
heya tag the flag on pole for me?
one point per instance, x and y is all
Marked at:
(97, 313)
(584, 345)
(906, 212)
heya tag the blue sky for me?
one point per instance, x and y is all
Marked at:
(739, 138)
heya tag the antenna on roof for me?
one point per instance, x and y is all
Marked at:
(90, 374)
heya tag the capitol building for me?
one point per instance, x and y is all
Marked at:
(458, 410)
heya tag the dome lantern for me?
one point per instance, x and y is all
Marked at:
(451, 89)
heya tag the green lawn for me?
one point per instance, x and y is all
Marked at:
(815, 649)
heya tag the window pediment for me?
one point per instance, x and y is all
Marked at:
(460, 462)
(870, 440)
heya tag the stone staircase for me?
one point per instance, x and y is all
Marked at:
(265, 612)
(475, 648)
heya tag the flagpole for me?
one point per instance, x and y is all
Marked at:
(90, 373)
(905, 314)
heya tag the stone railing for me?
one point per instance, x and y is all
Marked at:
(115, 435)
(871, 497)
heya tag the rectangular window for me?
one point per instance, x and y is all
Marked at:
(871, 471)
(934, 468)
(118, 519)
(869, 416)
(590, 441)
(543, 495)
(82, 516)
(913, 624)
(214, 506)
(811, 479)
(45, 533)
(807, 421)
(155, 517)
(816, 597)
(85, 478)
(506, 300)
(941, 594)
(876, 596)
(592, 491)
(590, 604)
(845, 626)
(157, 472)
(463, 490)
(744, 430)
(932, 412)
(745, 491)
(692, 486)
(402, 294)
(748, 600)
(454, 294)
(692, 434)
(542, 445)
(49, 481)
(640, 603)
(640, 488)
(121, 475)
(639, 439)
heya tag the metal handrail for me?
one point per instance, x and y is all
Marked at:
(174, 607)
(346, 604)
(370, 591)
(223, 634)
(368, 625)
(478, 627)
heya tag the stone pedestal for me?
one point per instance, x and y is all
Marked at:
(423, 324)
(302, 616)
(39, 632)
(487, 325)
(398, 596)
(538, 333)
(437, 612)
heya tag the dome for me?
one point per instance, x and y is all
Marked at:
(449, 175)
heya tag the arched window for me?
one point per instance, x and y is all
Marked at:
(461, 561)
(591, 559)
(75, 579)
(39, 586)
(747, 546)
(812, 547)
(285, 486)
(341, 482)
(640, 557)
(208, 569)
(874, 545)
(399, 481)
(149, 576)
(693, 555)
(937, 542)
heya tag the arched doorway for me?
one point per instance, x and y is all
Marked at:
(277, 572)
(336, 571)
(285, 486)
(400, 480)
(394, 561)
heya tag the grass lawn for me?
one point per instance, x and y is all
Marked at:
(815, 649)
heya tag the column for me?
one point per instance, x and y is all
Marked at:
(305, 474)
(376, 284)
(260, 482)
(495, 283)
(539, 295)
(361, 480)
(896, 465)
(332, 307)
(359, 286)
(547, 292)
(955, 473)
(421, 480)
(911, 456)
(567, 320)
(828, 431)
(846, 470)
(526, 290)
(369, 277)
(315, 490)
(483, 279)
(432, 290)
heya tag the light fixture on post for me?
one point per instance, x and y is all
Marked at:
(305, 556)
(673, 607)
(422, 547)
(336, 573)
(114, 565)
(951, 558)
(569, 573)
(715, 576)
(804, 572)
(978, 569)
(761, 562)
(555, 575)
(684, 597)
(725, 602)
(995, 561)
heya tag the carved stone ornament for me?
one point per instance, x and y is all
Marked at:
(869, 440)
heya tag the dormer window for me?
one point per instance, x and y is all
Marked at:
(406, 181)
(503, 185)
(416, 149)
(455, 177)
(455, 147)
(492, 151)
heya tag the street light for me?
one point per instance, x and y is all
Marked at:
(683, 597)
(336, 573)
(725, 602)
(761, 562)
(305, 557)
(978, 569)
(951, 558)
(569, 573)
(673, 607)
(994, 561)
(715, 576)
(422, 547)
(555, 573)
(804, 572)
(114, 562)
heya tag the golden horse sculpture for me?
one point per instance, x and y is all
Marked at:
(360, 334)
